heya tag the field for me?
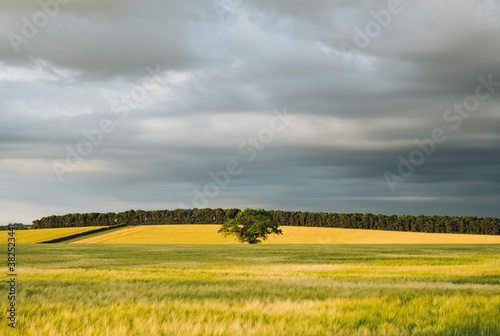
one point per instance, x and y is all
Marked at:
(207, 234)
(37, 236)
(328, 289)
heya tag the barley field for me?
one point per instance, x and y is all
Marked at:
(207, 234)
(41, 235)
(323, 289)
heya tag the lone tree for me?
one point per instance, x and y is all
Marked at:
(250, 226)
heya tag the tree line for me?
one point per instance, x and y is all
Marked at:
(16, 226)
(138, 217)
(420, 223)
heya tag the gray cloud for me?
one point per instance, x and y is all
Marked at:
(221, 80)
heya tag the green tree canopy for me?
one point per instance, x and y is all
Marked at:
(250, 226)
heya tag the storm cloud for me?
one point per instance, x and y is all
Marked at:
(294, 105)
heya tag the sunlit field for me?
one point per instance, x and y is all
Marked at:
(207, 234)
(41, 235)
(67, 289)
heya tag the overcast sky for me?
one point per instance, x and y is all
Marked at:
(338, 106)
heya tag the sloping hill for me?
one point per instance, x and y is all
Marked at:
(207, 234)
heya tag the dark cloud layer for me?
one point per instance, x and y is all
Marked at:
(215, 75)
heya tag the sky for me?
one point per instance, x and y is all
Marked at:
(386, 107)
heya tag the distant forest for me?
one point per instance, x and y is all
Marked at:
(421, 223)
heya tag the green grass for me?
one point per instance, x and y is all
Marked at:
(257, 290)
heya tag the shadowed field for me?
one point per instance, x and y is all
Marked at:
(207, 234)
(41, 235)
(66, 289)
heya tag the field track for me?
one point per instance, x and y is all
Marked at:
(207, 234)
(41, 235)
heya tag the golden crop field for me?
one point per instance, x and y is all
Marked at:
(161, 234)
(41, 235)
(207, 234)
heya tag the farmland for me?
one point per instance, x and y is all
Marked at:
(274, 289)
(207, 234)
(38, 236)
